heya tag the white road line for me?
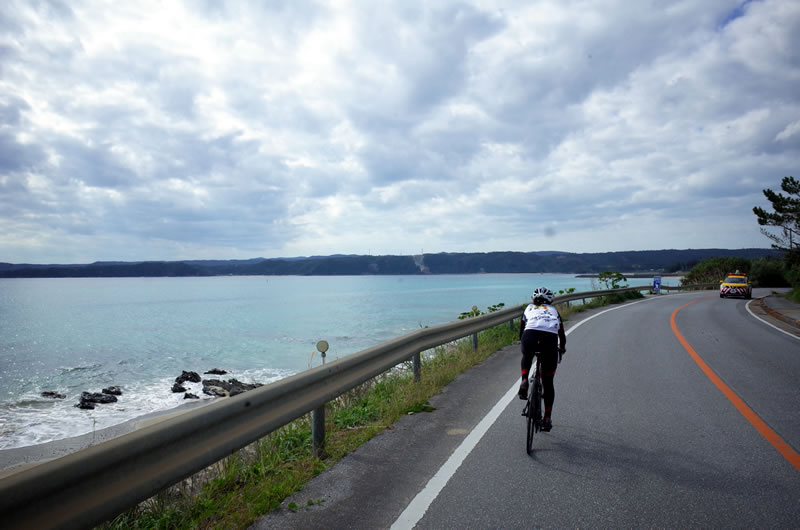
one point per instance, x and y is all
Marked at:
(420, 504)
(747, 306)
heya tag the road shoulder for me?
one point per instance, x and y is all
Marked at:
(776, 317)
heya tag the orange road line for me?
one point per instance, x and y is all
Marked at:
(771, 436)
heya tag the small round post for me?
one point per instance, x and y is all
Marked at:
(318, 415)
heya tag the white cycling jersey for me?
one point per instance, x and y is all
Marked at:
(541, 318)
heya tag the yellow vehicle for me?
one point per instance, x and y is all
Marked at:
(736, 284)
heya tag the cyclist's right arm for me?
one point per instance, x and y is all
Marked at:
(523, 321)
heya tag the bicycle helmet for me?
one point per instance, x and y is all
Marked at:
(542, 295)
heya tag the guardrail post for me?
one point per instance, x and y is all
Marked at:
(417, 367)
(318, 431)
(511, 324)
(475, 335)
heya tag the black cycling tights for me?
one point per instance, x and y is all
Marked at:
(546, 345)
(549, 394)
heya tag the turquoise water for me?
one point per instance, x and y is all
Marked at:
(74, 335)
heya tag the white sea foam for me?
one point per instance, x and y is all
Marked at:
(33, 420)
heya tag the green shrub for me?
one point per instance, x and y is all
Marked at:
(793, 275)
(612, 280)
(715, 269)
(475, 312)
(618, 298)
(768, 273)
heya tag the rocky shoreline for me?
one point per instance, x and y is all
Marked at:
(19, 458)
(212, 387)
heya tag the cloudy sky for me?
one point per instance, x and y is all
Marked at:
(170, 130)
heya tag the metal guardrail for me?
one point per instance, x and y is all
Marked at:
(93, 485)
(595, 294)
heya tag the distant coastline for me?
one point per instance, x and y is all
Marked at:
(642, 263)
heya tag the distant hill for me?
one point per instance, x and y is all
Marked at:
(642, 261)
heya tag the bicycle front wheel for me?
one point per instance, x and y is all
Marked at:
(531, 420)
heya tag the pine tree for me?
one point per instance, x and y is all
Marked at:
(786, 217)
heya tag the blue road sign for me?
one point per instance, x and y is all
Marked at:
(656, 284)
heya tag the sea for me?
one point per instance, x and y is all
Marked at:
(74, 335)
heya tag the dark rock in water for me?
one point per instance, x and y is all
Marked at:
(113, 390)
(211, 383)
(229, 388)
(89, 399)
(177, 387)
(189, 395)
(215, 371)
(192, 377)
(97, 397)
(214, 390)
(54, 395)
(237, 387)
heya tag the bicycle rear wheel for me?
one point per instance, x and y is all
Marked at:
(531, 427)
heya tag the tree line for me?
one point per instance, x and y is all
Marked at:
(650, 261)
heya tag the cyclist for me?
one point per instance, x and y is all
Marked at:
(540, 333)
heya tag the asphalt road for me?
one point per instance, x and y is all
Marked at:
(642, 437)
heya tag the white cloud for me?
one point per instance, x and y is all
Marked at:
(789, 131)
(229, 130)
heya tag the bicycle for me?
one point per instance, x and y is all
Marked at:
(533, 407)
